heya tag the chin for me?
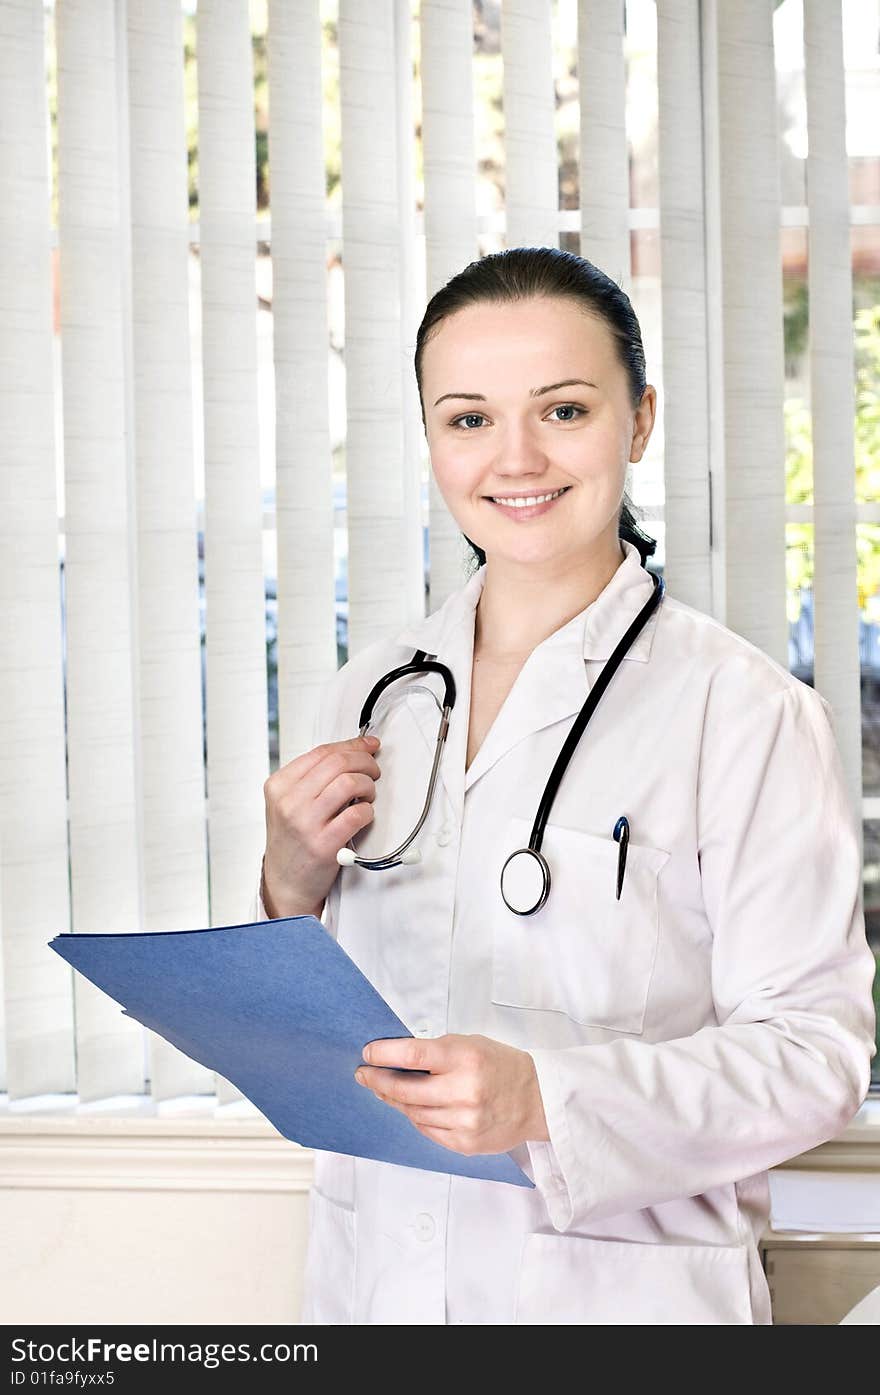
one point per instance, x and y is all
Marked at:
(525, 555)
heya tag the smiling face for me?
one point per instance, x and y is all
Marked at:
(504, 420)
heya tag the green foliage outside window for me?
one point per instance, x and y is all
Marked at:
(799, 472)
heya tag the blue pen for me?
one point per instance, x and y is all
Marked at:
(621, 836)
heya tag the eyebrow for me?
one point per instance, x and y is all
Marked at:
(533, 392)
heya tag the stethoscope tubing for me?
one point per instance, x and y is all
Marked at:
(420, 664)
(580, 722)
(392, 859)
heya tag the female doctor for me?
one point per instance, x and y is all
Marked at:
(644, 1051)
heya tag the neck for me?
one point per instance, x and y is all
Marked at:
(521, 605)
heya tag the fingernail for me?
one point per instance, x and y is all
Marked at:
(372, 740)
(367, 1053)
(359, 1077)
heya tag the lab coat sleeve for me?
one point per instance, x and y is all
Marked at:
(328, 915)
(258, 911)
(634, 1123)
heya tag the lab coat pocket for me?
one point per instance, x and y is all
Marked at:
(328, 1282)
(585, 953)
(582, 1279)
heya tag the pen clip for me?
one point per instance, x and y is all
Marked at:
(621, 836)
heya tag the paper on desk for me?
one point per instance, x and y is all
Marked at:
(280, 1010)
(824, 1201)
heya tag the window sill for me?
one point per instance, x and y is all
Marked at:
(192, 1143)
(130, 1142)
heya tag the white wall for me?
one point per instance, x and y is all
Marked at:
(151, 1221)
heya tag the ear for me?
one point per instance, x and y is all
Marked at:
(643, 423)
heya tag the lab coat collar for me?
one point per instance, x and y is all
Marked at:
(599, 626)
(553, 683)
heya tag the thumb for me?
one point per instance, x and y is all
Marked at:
(358, 742)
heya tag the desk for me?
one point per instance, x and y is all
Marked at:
(815, 1277)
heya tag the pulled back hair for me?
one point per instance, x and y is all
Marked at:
(520, 273)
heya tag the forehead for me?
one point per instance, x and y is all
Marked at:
(520, 338)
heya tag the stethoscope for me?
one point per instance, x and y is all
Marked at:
(525, 876)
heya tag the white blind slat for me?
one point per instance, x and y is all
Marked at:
(688, 568)
(306, 606)
(835, 607)
(411, 301)
(604, 160)
(104, 852)
(36, 993)
(381, 598)
(235, 681)
(531, 180)
(449, 164)
(752, 333)
(174, 833)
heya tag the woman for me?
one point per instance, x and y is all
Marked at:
(645, 1053)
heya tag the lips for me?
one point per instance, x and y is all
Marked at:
(525, 511)
(527, 500)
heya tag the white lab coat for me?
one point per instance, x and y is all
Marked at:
(713, 1022)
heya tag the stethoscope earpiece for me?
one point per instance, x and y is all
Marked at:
(347, 857)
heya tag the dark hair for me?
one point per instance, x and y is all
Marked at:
(520, 273)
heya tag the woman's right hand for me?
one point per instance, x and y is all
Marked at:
(309, 817)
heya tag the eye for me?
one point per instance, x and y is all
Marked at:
(563, 406)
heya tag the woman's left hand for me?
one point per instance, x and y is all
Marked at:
(482, 1096)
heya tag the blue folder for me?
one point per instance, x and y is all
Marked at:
(280, 1010)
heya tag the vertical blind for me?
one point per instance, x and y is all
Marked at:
(304, 480)
(36, 1004)
(686, 416)
(449, 159)
(831, 384)
(381, 500)
(103, 728)
(604, 162)
(172, 791)
(111, 815)
(753, 479)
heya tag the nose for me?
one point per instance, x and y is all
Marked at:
(520, 454)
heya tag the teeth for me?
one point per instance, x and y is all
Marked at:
(527, 503)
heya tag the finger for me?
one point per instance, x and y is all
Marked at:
(446, 1119)
(439, 1116)
(340, 793)
(440, 1119)
(302, 766)
(405, 1088)
(349, 822)
(338, 760)
(409, 1053)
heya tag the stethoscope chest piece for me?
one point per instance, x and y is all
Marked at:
(525, 881)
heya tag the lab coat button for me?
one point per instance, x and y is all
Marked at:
(425, 1227)
(444, 836)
